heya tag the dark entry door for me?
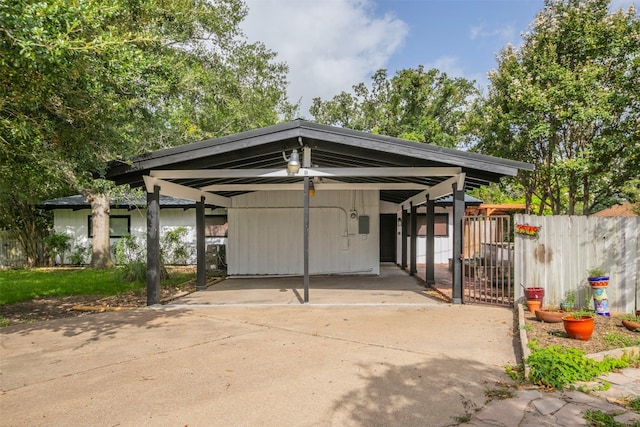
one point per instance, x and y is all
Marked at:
(388, 237)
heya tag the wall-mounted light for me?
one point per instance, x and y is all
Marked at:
(312, 188)
(293, 162)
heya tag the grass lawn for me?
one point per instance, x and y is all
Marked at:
(23, 285)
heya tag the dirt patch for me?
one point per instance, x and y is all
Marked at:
(50, 308)
(608, 334)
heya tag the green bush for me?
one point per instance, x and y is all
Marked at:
(130, 256)
(557, 366)
(127, 250)
(79, 255)
(134, 271)
(173, 250)
(57, 244)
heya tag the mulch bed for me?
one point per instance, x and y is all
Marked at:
(608, 334)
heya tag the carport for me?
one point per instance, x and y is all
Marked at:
(296, 160)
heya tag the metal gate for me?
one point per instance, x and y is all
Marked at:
(488, 256)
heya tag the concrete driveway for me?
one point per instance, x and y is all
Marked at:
(200, 364)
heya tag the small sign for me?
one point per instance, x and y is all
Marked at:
(528, 230)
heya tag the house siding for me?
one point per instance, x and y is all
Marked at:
(443, 245)
(266, 233)
(75, 223)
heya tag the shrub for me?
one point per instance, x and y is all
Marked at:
(130, 255)
(56, 244)
(79, 255)
(172, 247)
(128, 250)
(557, 366)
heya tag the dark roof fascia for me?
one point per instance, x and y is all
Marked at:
(78, 202)
(208, 147)
(410, 148)
(300, 128)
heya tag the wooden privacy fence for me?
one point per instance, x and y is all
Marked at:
(11, 255)
(558, 256)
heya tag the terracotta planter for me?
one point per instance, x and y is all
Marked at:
(534, 294)
(550, 316)
(580, 328)
(533, 306)
(631, 325)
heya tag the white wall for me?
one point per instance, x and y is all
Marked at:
(443, 246)
(75, 223)
(266, 233)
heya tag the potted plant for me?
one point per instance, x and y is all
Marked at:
(534, 294)
(599, 280)
(579, 325)
(597, 277)
(569, 301)
(632, 322)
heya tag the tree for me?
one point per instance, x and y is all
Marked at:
(82, 83)
(568, 101)
(419, 105)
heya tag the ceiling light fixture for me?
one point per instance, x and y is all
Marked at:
(293, 162)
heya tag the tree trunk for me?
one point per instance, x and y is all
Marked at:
(586, 207)
(101, 251)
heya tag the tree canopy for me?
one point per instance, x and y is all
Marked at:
(424, 106)
(568, 101)
(86, 82)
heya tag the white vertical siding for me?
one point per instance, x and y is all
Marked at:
(75, 223)
(443, 246)
(266, 233)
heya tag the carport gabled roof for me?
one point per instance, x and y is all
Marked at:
(343, 158)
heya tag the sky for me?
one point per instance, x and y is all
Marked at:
(332, 45)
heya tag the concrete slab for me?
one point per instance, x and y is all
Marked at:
(392, 286)
(219, 365)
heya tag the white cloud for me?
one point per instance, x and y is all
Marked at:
(329, 45)
(505, 33)
(447, 64)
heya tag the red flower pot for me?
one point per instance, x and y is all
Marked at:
(578, 328)
(534, 294)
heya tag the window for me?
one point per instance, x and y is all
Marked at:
(119, 225)
(440, 226)
(215, 226)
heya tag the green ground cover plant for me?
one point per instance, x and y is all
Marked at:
(23, 285)
(559, 367)
(596, 418)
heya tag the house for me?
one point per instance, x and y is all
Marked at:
(620, 209)
(304, 199)
(72, 215)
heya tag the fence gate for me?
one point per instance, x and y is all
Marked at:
(487, 272)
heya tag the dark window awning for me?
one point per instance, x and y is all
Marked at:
(220, 168)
